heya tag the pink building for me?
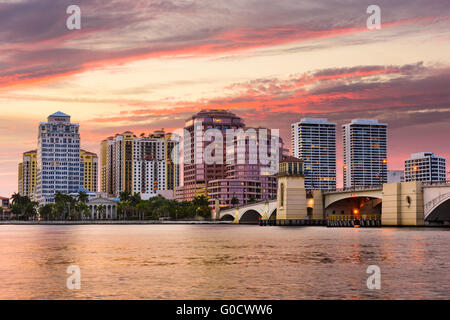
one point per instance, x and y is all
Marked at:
(196, 173)
(247, 178)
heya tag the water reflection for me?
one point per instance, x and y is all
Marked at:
(222, 262)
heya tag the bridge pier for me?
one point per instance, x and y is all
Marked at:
(291, 203)
(403, 204)
(318, 205)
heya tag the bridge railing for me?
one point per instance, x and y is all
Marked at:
(436, 183)
(362, 188)
(350, 217)
(436, 201)
(249, 204)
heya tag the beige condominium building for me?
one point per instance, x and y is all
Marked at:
(89, 162)
(139, 164)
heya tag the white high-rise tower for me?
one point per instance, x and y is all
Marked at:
(365, 153)
(58, 161)
(314, 141)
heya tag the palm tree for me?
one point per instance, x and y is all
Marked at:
(122, 209)
(46, 211)
(200, 201)
(64, 204)
(124, 196)
(82, 210)
(142, 208)
(30, 210)
(16, 198)
(23, 207)
(83, 197)
(135, 199)
(234, 201)
(59, 197)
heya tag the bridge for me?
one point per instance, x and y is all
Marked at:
(407, 203)
(251, 213)
(436, 197)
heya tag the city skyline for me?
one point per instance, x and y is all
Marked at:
(341, 147)
(271, 66)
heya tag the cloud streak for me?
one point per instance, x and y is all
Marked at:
(118, 32)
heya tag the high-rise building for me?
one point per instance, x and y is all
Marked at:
(144, 164)
(246, 177)
(89, 163)
(28, 169)
(314, 141)
(27, 173)
(425, 166)
(365, 153)
(197, 173)
(59, 165)
(117, 163)
(395, 176)
(237, 172)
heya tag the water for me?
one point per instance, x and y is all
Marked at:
(222, 262)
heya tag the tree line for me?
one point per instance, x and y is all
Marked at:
(130, 207)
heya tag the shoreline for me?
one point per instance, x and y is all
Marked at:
(187, 222)
(110, 222)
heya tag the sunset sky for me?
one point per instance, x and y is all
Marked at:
(143, 65)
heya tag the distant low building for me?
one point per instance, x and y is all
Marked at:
(4, 202)
(103, 208)
(425, 166)
(395, 176)
(91, 195)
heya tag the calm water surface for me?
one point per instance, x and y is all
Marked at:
(222, 262)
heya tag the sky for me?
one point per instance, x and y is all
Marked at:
(143, 65)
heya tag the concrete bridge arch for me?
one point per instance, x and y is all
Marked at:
(335, 196)
(250, 212)
(437, 208)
